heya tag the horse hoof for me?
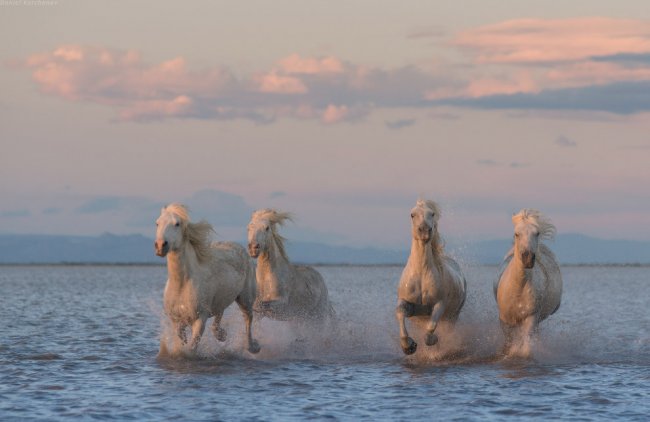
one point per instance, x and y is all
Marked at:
(222, 334)
(431, 339)
(254, 347)
(409, 346)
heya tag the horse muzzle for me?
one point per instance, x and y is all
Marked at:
(162, 248)
(528, 258)
(254, 250)
(424, 233)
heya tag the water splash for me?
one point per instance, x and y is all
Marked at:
(366, 330)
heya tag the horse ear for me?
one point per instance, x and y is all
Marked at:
(514, 218)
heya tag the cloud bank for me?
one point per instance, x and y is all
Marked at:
(589, 63)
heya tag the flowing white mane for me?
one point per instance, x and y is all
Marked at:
(275, 218)
(532, 216)
(437, 244)
(197, 234)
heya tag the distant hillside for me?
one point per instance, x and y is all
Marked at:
(25, 249)
(109, 248)
(570, 248)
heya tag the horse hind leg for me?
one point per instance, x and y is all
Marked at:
(197, 331)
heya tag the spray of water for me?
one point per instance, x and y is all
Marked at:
(366, 330)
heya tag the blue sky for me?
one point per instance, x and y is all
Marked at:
(343, 113)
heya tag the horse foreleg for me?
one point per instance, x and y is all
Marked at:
(436, 314)
(197, 331)
(218, 331)
(178, 338)
(528, 328)
(508, 334)
(405, 309)
(180, 332)
(247, 311)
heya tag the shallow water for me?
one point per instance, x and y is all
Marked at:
(81, 341)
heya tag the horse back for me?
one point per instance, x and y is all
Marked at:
(230, 252)
(231, 256)
(552, 278)
(457, 286)
(309, 288)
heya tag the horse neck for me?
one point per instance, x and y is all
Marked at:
(180, 264)
(271, 262)
(422, 257)
(520, 275)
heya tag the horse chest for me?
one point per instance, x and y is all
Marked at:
(419, 287)
(516, 303)
(181, 304)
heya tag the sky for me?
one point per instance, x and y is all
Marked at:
(341, 112)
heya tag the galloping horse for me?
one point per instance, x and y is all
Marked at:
(432, 286)
(285, 291)
(204, 278)
(528, 288)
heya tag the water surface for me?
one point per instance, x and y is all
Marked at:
(81, 341)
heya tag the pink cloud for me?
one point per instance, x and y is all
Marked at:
(294, 64)
(285, 77)
(274, 83)
(333, 114)
(157, 109)
(513, 57)
(324, 88)
(555, 40)
(594, 72)
(116, 77)
(519, 82)
(69, 53)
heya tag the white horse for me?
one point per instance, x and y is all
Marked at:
(285, 291)
(432, 286)
(528, 288)
(204, 278)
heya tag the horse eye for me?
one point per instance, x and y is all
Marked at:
(412, 215)
(177, 224)
(267, 228)
(516, 234)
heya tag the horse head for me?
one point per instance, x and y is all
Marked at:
(530, 226)
(169, 229)
(262, 230)
(424, 220)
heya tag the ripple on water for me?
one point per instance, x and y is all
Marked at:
(43, 357)
(98, 359)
